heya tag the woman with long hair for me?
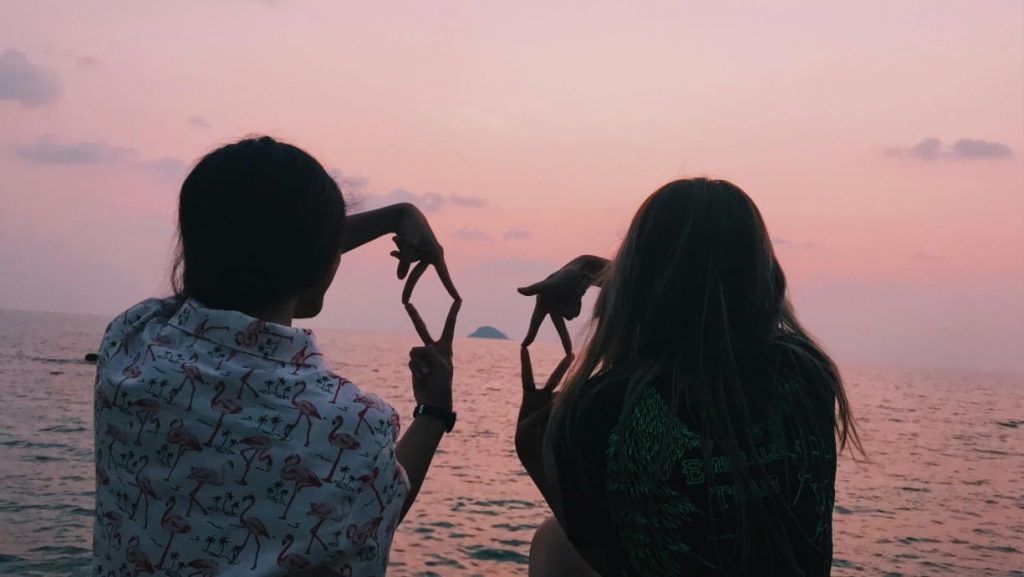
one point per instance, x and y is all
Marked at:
(697, 432)
(211, 403)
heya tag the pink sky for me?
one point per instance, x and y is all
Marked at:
(535, 130)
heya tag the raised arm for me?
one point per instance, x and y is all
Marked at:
(363, 227)
(431, 367)
(413, 237)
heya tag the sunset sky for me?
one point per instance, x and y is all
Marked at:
(883, 141)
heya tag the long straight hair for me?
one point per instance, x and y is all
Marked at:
(694, 294)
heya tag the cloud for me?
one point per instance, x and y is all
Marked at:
(198, 121)
(933, 149)
(517, 234)
(427, 202)
(49, 150)
(25, 82)
(782, 242)
(969, 148)
(924, 256)
(470, 201)
(354, 188)
(472, 234)
(88, 61)
(167, 166)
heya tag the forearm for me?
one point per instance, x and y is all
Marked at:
(363, 227)
(534, 465)
(530, 450)
(415, 450)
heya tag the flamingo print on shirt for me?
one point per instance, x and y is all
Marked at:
(245, 467)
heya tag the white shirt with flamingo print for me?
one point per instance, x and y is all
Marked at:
(224, 446)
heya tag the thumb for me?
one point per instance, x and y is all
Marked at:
(404, 257)
(428, 355)
(418, 367)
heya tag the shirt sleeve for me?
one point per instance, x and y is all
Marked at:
(125, 326)
(380, 492)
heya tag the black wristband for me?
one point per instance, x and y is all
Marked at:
(444, 415)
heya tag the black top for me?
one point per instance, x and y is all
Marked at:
(636, 485)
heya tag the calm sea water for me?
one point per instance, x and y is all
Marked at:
(942, 495)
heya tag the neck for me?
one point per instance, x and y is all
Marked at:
(281, 313)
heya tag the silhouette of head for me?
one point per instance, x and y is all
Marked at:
(696, 266)
(260, 222)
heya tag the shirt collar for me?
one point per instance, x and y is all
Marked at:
(243, 333)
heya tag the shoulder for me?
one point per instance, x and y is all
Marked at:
(145, 311)
(605, 390)
(131, 322)
(586, 419)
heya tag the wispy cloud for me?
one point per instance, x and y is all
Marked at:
(355, 190)
(88, 62)
(49, 150)
(167, 166)
(25, 82)
(198, 121)
(924, 256)
(783, 242)
(427, 202)
(353, 187)
(517, 234)
(472, 234)
(468, 201)
(933, 149)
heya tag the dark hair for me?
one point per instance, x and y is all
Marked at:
(696, 294)
(259, 221)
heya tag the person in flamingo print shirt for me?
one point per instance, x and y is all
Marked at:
(225, 445)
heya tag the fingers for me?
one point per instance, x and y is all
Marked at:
(414, 277)
(572, 309)
(529, 291)
(556, 376)
(448, 333)
(446, 278)
(428, 355)
(404, 255)
(423, 361)
(535, 320)
(418, 367)
(526, 369)
(419, 325)
(563, 332)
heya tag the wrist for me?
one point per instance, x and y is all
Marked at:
(406, 215)
(441, 415)
(592, 267)
(438, 401)
(399, 212)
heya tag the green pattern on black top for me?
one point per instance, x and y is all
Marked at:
(649, 514)
(657, 491)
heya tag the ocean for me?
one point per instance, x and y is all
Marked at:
(942, 491)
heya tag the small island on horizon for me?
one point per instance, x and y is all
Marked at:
(487, 332)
